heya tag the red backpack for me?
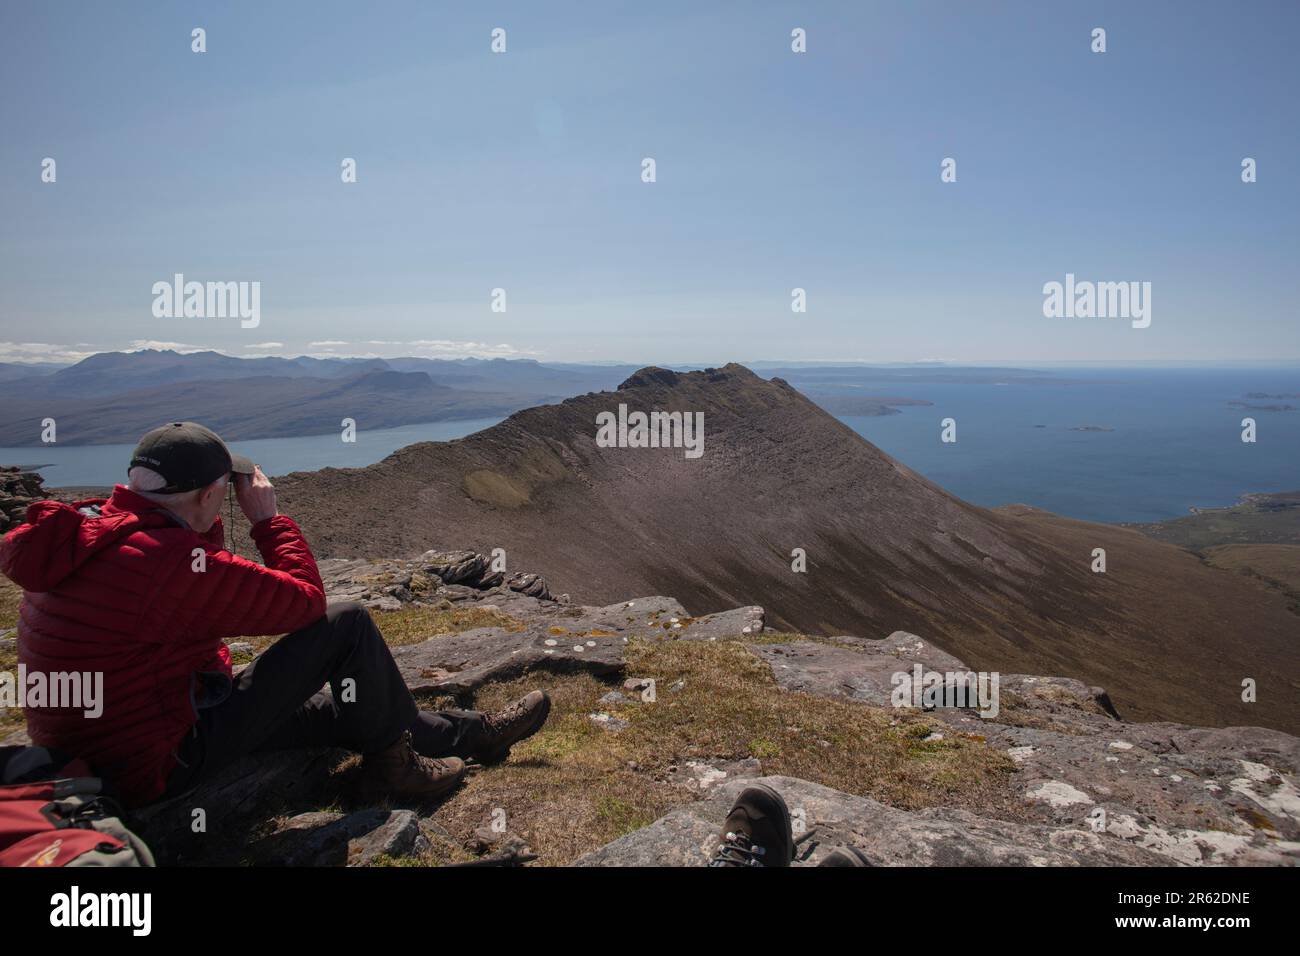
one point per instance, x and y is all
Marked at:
(53, 812)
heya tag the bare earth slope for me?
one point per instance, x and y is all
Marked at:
(1010, 590)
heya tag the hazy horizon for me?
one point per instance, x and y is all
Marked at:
(758, 364)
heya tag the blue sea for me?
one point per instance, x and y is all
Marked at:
(66, 465)
(1175, 442)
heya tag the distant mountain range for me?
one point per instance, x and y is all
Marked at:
(114, 397)
(1010, 589)
(13, 371)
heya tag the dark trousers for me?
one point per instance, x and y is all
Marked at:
(277, 703)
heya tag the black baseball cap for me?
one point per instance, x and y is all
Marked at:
(188, 455)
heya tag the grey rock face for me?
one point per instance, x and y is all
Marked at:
(687, 836)
(704, 776)
(470, 569)
(18, 489)
(336, 839)
(455, 567)
(436, 575)
(852, 666)
(1195, 796)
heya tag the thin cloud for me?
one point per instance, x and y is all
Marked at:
(140, 345)
(43, 352)
(446, 348)
(327, 348)
(417, 348)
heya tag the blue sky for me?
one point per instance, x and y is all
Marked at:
(775, 170)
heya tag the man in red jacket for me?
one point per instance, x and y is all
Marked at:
(139, 587)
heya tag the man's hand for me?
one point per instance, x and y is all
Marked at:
(256, 496)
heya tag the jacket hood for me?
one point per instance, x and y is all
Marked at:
(58, 538)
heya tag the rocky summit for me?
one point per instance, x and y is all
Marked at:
(1069, 780)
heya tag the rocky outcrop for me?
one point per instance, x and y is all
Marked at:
(18, 489)
(1190, 795)
(387, 585)
(826, 818)
(324, 838)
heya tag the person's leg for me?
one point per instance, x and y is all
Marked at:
(277, 704)
(442, 733)
(447, 733)
(274, 702)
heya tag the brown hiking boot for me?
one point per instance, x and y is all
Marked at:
(399, 771)
(846, 856)
(506, 727)
(757, 831)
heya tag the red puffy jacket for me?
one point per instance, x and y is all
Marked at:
(121, 592)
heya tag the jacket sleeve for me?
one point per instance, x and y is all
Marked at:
(235, 597)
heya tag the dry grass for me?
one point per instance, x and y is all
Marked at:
(1276, 565)
(11, 719)
(417, 623)
(421, 583)
(10, 595)
(787, 637)
(1014, 711)
(575, 786)
(413, 624)
(565, 791)
(1239, 524)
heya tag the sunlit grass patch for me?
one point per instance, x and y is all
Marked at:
(418, 622)
(413, 624)
(789, 637)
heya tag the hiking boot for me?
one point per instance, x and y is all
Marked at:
(507, 727)
(845, 856)
(398, 771)
(757, 831)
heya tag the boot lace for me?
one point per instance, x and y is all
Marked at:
(503, 720)
(737, 849)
